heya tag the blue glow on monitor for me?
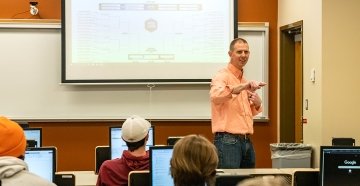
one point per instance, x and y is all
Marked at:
(160, 166)
(41, 161)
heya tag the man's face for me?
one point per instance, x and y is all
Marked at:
(240, 55)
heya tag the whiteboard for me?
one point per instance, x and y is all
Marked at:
(31, 89)
(257, 36)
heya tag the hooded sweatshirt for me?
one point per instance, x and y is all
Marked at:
(14, 172)
(115, 172)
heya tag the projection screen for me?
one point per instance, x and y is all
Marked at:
(139, 42)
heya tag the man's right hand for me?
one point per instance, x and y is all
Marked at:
(250, 85)
(254, 85)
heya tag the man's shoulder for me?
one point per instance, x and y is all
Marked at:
(221, 74)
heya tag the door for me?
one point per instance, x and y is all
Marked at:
(291, 85)
(298, 90)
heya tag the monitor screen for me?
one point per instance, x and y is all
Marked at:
(42, 162)
(118, 145)
(160, 166)
(339, 165)
(34, 134)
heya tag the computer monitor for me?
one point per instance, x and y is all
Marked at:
(34, 134)
(118, 145)
(339, 165)
(160, 166)
(42, 162)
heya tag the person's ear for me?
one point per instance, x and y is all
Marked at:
(229, 53)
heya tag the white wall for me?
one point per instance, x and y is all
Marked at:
(290, 11)
(330, 45)
(31, 90)
(341, 64)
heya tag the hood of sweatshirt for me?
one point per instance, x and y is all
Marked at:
(10, 166)
(134, 162)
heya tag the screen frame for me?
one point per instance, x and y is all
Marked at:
(151, 161)
(54, 162)
(322, 148)
(66, 80)
(35, 129)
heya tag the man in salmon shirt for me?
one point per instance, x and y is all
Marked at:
(234, 103)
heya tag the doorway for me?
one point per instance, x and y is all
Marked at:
(291, 83)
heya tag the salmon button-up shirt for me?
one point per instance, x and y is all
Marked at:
(232, 113)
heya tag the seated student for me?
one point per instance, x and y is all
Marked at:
(13, 169)
(194, 162)
(115, 172)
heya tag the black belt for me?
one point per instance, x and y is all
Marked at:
(242, 136)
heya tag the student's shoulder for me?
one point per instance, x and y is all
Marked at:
(111, 162)
(28, 178)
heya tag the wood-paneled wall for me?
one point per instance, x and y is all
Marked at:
(20, 9)
(76, 141)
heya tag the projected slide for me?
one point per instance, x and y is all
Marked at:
(148, 32)
(109, 39)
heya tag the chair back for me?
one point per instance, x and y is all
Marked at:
(306, 178)
(343, 141)
(171, 140)
(139, 178)
(102, 153)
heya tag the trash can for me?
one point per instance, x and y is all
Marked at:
(290, 155)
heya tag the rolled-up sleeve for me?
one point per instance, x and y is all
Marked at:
(219, 90)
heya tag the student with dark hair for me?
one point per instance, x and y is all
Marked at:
(13, 169)
(194, 162)
(115, 172)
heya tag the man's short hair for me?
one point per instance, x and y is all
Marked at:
(237, 40)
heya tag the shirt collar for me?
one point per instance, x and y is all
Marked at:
(237, 72)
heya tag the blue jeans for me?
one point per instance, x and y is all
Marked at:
(234, 151)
